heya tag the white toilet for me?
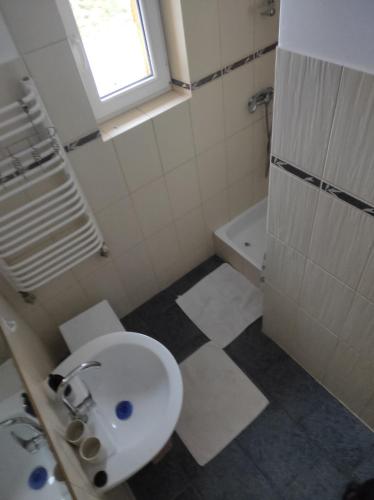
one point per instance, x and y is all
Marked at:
(90, 324)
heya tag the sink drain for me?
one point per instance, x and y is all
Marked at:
(247, 244)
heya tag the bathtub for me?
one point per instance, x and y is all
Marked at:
(242, 241)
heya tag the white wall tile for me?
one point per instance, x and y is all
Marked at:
(216, 210)
(11, 72)
(306, 91)
(66, 304)
(55, 286)
(238, 20)
(57, 79)
(284, 267)
(104, 283)
(350, 163)
(359, 327)
(183, 188)
(152, 206)
(174, 136)
(136, 272)
(341, 239)
(346, 365)
(279, 318)
(164, 246)
(241, 195)
(259, 153)
(240, 148)
(120, 226)
(264, 71)
(292, 204)
(260, 184)
(199, 255)
(134, 264)
(45, 327)
(366, 284)
(99, 173)
(211, 166)
(325, 298)
(238, 87)
(33, 24)
(138, 154)
(313, 345)
(201, 27)
(266, 28)
(192, 231)
(166, 254)
(207, 115)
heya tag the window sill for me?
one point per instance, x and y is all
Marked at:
(150, 109)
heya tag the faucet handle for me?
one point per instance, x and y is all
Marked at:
(75, 410)
(31, 445)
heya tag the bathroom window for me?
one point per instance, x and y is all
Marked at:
(119, 49)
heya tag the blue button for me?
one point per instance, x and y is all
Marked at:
(38, 478)
(124, 410)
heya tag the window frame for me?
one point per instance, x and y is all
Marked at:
(137, 93)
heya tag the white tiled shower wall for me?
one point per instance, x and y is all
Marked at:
(319, 298)
(159, 190)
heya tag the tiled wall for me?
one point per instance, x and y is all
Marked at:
(319, 299)
(159, 190)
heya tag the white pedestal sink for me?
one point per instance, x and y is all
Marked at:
(137, 369)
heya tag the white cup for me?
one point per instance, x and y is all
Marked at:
(75, 432)
(91, 450)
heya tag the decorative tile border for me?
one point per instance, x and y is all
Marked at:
(348, 198)
(71, 146)
(328, 188)
(225, 70)
(92, 136)
(311, 179)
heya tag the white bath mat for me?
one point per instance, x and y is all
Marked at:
(222, 304)
(219, 402)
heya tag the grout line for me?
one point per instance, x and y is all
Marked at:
(332, 123)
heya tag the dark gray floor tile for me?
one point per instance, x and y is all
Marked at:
(133, 322)
(233, 476)
(177, 332)
(365, 469)
(321, 482)
(293, 388)
(279, 448)
(254, 353)
(167, 479)
(346, 441)
(189, 494)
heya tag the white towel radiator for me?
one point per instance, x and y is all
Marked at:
(46, 225)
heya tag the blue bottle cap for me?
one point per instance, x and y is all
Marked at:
(38, 478)
(124, 410)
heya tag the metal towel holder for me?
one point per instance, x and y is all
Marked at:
(46, 225)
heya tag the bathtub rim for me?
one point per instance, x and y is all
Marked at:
(221, 232)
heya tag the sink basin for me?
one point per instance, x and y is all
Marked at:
(17, 464)
(142, 374)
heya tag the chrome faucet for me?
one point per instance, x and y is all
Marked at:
(264, 96)
(77, 410)
(31, 445)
